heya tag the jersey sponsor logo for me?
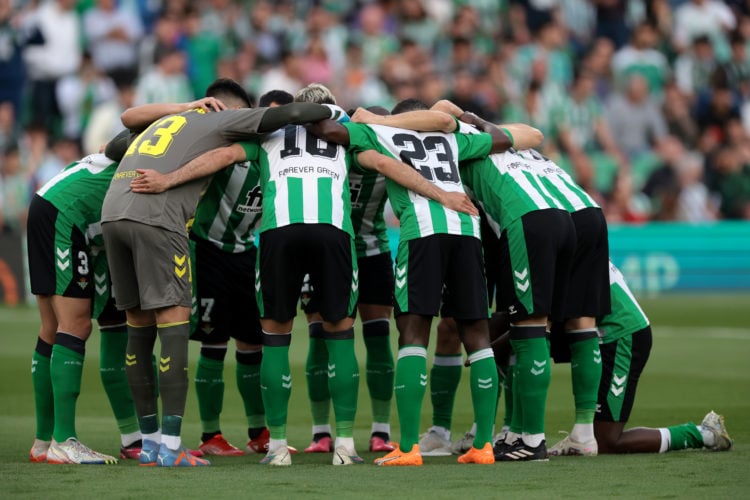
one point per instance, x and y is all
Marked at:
(327, 172)
(538, 367)
(253, 203)
(180, 268)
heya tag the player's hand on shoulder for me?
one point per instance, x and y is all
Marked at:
(361, 115)
(149, 181)
(207, 104)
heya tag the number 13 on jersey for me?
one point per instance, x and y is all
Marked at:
(156, 139)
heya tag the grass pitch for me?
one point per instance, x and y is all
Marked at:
(699, 362)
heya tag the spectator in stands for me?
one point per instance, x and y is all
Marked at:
(732, 183)
(112, 34)
(642, 57)
(80, 93)
(712, 19)
(677, 114)
(635, 118)
(373, 37)
(47, 63)
(105, 120)
(695, 203)
(204, 50)
(416, 23)
(167, 81)
(694, 67)
(12, 42)
(16, 191)
(287, 76)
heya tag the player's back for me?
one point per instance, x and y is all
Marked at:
(304, 180)
(164, 146)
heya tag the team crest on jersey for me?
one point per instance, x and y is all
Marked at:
(254, 202)
(83, 283)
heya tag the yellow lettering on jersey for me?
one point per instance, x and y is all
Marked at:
(127, 174)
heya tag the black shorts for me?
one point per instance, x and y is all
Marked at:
(492, 252)
(324, 252)
(224, 303)
(622, 364)
(441, 267)
(375, 283)
(588, 288)
(59, 257)
(536, 255)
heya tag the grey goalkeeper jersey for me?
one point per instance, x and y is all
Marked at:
(164, 146)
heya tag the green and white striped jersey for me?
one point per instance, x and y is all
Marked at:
(435, 156)
(78, 193)
(230, 208)
(626, 317)
(303, 180)
(369, 195)
(559, 183)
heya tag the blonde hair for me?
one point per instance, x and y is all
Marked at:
(316, 93)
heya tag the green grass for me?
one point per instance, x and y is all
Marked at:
(699, 362)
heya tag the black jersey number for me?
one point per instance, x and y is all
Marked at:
(416, 152)
(313, 145)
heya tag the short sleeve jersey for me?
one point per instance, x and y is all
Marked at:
(506, 186)
(303, 180)
(78, 193)
(626, 317)
(369, 195)
(559, 183)
(164, 146)
(230, 208)
(435, 156)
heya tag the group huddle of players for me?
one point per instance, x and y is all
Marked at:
(310, 183)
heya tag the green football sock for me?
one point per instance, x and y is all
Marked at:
(516, 410)
(445, 376)
(483, 382)
(66, 369)
(586, 372)
(379, 367)
(684, 436)
(248, 383)
(343, 379)
(44, 403)
(533, 370)
(507, 385)
(113, 344)
(316, 371)
(276, 381)
(209, 389)
(173, 375)
(411, 384)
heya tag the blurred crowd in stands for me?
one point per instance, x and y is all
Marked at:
(646, 102)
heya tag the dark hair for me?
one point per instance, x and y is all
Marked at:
(117, 146)
(226, 89)
(410, 104)
(378, 110)
(275, 96)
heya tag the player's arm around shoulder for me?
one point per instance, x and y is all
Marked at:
(420, 120)
(210, 162)
(409, 178)
(330, 131)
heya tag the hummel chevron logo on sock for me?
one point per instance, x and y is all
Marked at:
(597, 356)
(331, 370)
(484, 383)
(539, 367)
(164, 364)
(130, 359)
(286, 381)
(423, 379)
